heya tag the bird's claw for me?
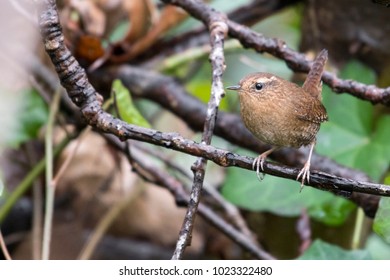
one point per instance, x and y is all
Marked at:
(305, 174)
(258, 164)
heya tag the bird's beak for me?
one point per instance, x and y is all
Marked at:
(236, 87)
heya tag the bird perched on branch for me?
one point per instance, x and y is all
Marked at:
(283, 114)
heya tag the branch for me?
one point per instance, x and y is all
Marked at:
(319, 180)
(278, 48)
(248, 15)
(218, 30)
(231, 211)
(161, 178)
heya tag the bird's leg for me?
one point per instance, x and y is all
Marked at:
(259, 161)
(305, 172)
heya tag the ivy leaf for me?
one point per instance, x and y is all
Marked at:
(359, 139)
(382, 222)
(321, 250)
(127, 110)
(354, 136)
(33, 114)
(282, 197)
(378, 248)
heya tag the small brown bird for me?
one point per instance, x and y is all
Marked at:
(283, 114)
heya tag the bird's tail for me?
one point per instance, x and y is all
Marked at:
(313, 83)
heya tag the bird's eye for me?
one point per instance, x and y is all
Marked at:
(258, 86)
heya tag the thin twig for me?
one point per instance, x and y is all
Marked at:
(4, 247)
(51, 182)
(37, 208)
(218, 31)
(27, 181)
(155, 175)
(175, 61)
(358, 229)
(232, 212)
(37, 220)
(50, 188)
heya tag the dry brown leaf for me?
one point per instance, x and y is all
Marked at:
(139, 16)
(88, 48)
(97, 180)
(170, 17)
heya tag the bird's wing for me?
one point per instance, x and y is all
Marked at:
(307, 108)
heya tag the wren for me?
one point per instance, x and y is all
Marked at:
(283, 114)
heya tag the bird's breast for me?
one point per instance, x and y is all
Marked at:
(275, 123)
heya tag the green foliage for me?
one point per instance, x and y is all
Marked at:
(32, 116)
(377, 247)
(284, 24)
(321, 250)
(382, 219)
(119, 32)
(354, 136)
(126, 108)
(381, 222)
(358, 138)
(282, 197)
(201, 88)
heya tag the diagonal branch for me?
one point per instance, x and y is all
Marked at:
(161, 178)
(218, 30)
(278, 48)
(248, 15)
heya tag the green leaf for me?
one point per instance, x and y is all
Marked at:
(321, 250)
(119, 32)
(200, 86)
(282, 197)
(127, 110)
(353, 136)
(382, 222)
(32, 116)
(378, 249)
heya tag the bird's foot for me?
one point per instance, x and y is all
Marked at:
(305, 174)
(257, 165)
(259, 162)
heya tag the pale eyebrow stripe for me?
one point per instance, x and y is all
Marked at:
(265, 79)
